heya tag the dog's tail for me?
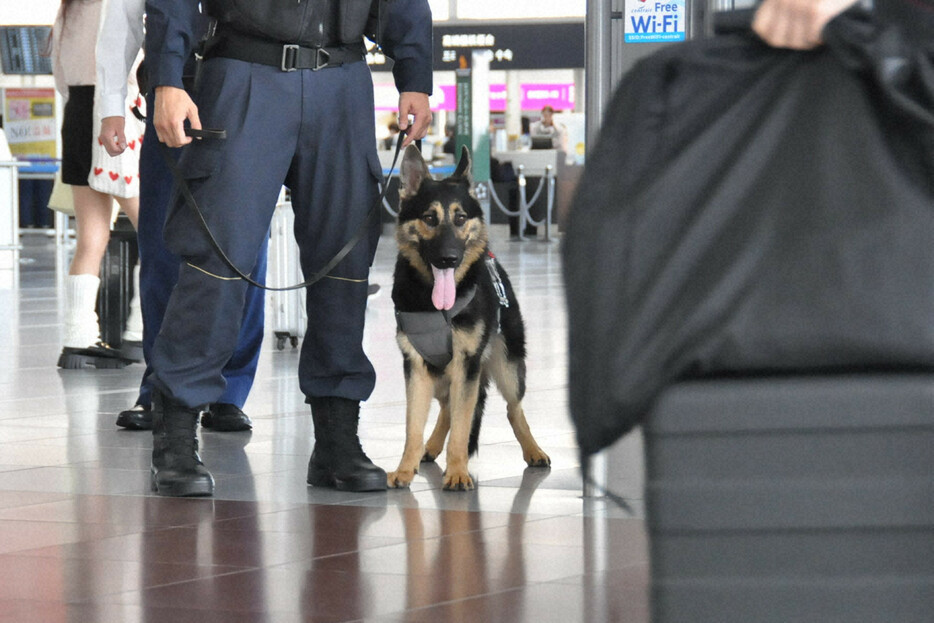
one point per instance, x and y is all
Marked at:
(474, 441)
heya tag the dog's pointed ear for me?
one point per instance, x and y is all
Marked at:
(412, 171)
(463, 166)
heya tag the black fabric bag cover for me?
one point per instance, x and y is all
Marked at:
(749, 209)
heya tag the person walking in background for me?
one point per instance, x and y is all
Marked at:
(118, 45)
(97, 181)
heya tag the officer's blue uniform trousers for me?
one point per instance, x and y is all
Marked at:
(315, 132)
(159, 273)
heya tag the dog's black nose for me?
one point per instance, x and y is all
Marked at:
(447, 261)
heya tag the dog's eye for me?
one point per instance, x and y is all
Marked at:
(430, 219)
(459, 219)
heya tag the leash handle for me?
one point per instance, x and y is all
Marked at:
(205, 133)
(182, 185)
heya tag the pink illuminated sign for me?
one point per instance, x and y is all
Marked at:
(534, 97)
(559, 96)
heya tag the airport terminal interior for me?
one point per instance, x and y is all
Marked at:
(84, 539)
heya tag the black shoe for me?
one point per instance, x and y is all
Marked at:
(132, 351)
(338, 460)
(373, 291)
(225, 418)
(137, 418)
(177, 469)
(99, 356)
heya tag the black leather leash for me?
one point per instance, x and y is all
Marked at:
(361, 231)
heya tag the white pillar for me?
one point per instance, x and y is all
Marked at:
(599, 85)
(580, 90)
(513, 108)
(9, 206)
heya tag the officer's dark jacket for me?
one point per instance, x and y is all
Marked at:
(310, 23)
(172, 31)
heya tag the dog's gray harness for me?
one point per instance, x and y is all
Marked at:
(430, 332)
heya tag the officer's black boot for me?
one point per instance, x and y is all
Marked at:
(177, 469)
(338, 459)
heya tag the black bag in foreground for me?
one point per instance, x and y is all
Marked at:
(753, 210)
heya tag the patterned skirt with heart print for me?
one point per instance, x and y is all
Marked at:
(119, 175)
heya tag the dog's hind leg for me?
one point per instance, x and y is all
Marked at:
(438, 435)
(419, 390)
(532, 454)
(509, 376)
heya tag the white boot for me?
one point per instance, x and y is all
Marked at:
(82, 339)
(134, 322)
(132, 342)
(82, 328)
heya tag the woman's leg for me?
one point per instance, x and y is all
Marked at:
(132, 343)
(93, 211)
(130, 207)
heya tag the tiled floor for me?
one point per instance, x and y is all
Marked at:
(83, 539)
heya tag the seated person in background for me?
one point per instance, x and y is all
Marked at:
(525, 139)
(390, 141)
(546, 127)
(450, 139)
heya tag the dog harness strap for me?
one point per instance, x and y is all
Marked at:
(430, 333)
(498, 285)
(287, 57)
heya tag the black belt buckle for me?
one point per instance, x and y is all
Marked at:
(289, 57)
(322, 59)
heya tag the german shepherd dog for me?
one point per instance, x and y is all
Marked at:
(458, 320)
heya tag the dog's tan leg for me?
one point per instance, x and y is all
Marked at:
(436, 441)
(506, 376)
(531, 452)
(418, 393)
(463, 402)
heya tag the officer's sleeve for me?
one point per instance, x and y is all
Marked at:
(171, 35)
(407, 41)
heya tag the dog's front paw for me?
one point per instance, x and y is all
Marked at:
(400, 479)
(458, 480)
(537, 458)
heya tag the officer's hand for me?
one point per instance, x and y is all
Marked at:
(415, 104)
(796, 24)
(112, 137)
(173, 107)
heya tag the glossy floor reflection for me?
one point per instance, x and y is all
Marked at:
(83, 539)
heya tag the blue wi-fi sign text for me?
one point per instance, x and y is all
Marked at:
(654, 21)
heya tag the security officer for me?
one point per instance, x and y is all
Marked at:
(287, 82)
(119, 41)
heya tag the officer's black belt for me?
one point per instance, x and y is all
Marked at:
(287, 57)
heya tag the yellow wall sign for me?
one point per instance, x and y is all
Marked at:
(29, 122)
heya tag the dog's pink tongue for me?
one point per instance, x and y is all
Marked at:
(444, 292)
